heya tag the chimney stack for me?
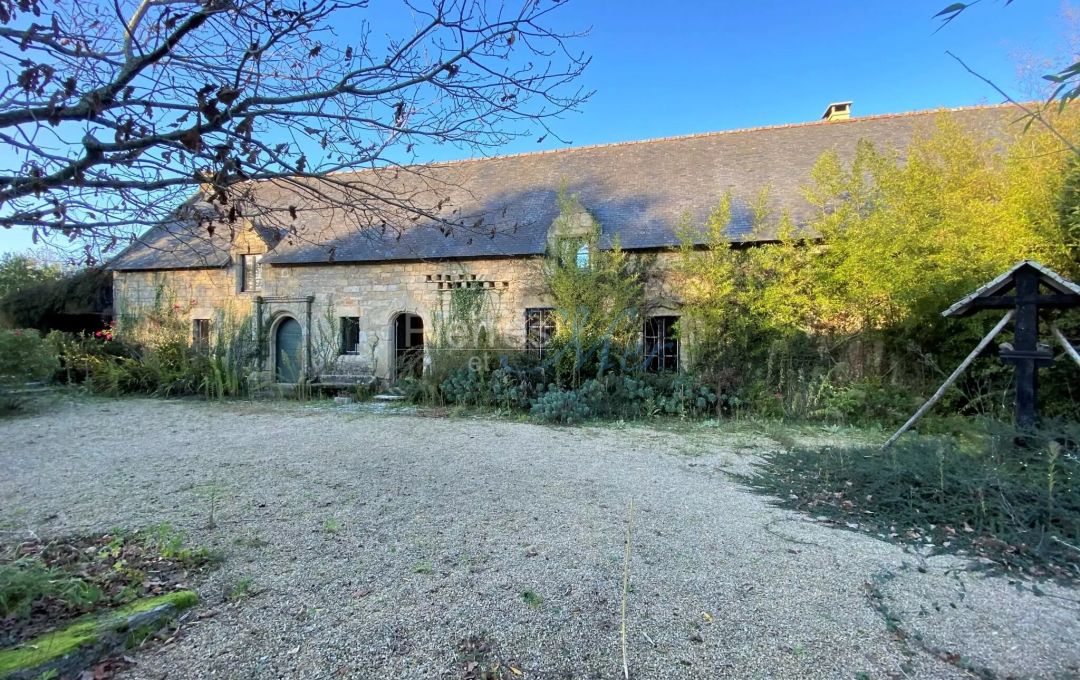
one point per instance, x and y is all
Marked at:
(837, 111)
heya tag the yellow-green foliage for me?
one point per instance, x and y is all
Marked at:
(87, 631)
(598, 305)
(904, 238)
(901, 237)
(895, 239)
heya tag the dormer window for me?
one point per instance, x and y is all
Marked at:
(250, 273)
(583, 256)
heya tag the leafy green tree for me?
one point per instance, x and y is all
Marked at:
(21, 271)
(1069, 208)
(856, 293)
(598, 296)
(25, 355)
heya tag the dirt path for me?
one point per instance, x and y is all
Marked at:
(383, 546)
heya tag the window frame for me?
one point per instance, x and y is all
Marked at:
(200, 335)
(661, 331)
(583, 256)
(540, 326)
(347, 324)
(251, 262)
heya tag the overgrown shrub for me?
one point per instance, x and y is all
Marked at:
(25, 356)
(565, 407)
(71, 302)
(867, 401)
(151, 353)
(614, 395)
(844, 324)
(599, 301)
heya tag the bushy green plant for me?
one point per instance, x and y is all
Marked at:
(683, 396)
(57, 300)
(565, 407)
(151, 353)
(25, 355)
(514, 388)
(598, 302)
(868, 401)
(230, 358)
(466, 387)
(26, 581)
(421, 391)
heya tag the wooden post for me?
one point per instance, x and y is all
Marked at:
(952, 378)
(1024, 354)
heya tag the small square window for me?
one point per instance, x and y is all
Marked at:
(539, 330)
(250, 273)
(200, 335)
(350, 335)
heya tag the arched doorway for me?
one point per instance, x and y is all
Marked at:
(288, 343)
(408, 345)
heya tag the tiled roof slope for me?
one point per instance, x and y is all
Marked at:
(636, 190)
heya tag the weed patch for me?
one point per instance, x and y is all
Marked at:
(241, 590)
(532, 598)
(1014, 500)
(44, 584)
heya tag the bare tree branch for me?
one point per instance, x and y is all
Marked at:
(118, 112)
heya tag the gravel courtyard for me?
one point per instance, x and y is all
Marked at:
(403, 546)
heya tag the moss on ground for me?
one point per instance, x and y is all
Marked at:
(88, 631)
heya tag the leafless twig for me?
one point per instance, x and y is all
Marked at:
(1032, 114)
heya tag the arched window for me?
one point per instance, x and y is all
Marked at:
(583, 256)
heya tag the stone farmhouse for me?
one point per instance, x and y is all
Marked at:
(336, 299)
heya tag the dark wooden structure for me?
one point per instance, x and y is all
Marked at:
(1027, 288)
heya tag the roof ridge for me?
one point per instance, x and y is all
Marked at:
(712, 133)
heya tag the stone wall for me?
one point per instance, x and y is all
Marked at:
(318, 296)
(377, 293)
(202, 293)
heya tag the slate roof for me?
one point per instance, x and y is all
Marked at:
(636, 190)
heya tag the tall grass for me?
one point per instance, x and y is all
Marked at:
(151, 352)
(231, 357)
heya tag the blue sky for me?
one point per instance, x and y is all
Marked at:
(662, 69)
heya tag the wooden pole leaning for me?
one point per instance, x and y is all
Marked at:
(1069, 349)
(951, 379)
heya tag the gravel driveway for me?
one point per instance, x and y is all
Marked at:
(401, 546)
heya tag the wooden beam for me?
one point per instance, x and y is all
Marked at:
(1008, 301)
(952, 378)
(1069, 349)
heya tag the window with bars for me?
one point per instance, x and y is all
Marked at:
(661, 344)
(350, 335)
(200, 335)
(539, 329)
(250, 273)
